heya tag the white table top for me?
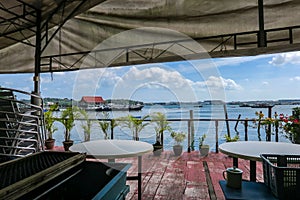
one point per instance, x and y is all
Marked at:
(251, 150)
(110, 149)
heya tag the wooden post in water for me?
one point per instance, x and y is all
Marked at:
(226, 117)
(269, 125)
(237, 122)
(192, 129)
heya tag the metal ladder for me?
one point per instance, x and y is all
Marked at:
(22, 128)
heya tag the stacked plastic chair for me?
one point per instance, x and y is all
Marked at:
(22, 129)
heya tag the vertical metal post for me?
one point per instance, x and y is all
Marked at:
(139, 177)
(37, 60)
(226, 118)
(192, 130)
(261, 33)
(246, 130)
(111, 130)
(217, 136)
(189, 136)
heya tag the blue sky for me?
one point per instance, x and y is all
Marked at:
(264, 77)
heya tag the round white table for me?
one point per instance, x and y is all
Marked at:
(251, 150)
(112, 149)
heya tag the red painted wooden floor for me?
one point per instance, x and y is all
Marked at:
(185, 177)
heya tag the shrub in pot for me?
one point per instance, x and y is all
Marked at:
(178, 137)
(68, 120)
(49, 125)
(161, 125)
(203, 148)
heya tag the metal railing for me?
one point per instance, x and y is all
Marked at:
(245, 122)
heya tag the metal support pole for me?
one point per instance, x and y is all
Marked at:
(227, 122)
(217, 136)
(252, 170)
(111, 130)
(192, 130)
(139, 177)
(189, 136)
(37, 64)
(262, 42)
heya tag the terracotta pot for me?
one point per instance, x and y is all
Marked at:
(49, 143)
(68, 144)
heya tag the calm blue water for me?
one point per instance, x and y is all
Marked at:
(181, 112)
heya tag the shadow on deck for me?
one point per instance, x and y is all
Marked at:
(185, 177)
(189, 176)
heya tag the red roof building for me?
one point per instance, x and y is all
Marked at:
(91, 100)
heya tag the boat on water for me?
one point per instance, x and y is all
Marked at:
(115, 107)
(261, 105)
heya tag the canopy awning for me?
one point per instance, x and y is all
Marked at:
(74, 30)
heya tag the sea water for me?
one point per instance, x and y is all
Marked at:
(182, 113)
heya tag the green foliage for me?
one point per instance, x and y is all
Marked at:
(86, 125)
(161, 125)
(178, 137)
(136, 125)
(107, 124)
(229, 139)
(201, 139)
(49, 121)
(67, 118)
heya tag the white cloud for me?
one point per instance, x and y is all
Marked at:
(214, 82)
(237, 60)
(153, 76)
(296, 78)
(285, 58)
(265, 83)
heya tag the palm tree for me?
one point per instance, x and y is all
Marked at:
(135, 124)
(105, 125)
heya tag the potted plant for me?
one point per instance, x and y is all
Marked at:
(203, 148)
(86, 124)
(161, 125)
(49, 125)
(67, 119)
(178, 137)
(107, 124)
(135, 124)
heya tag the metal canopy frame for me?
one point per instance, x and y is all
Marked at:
(22, 19)
(254, 47)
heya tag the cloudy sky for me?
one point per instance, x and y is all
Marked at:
(265, 77)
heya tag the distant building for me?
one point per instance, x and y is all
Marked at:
(87, 101)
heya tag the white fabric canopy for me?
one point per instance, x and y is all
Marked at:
(212, 23)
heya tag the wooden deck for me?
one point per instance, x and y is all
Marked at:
(188, 176)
